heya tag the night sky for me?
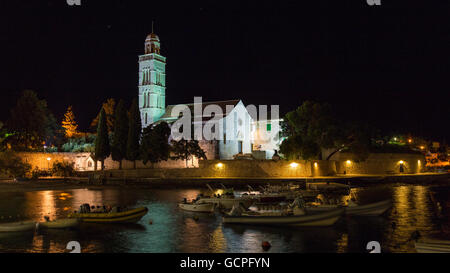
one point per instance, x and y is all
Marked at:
(387, 65)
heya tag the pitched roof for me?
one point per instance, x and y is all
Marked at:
(222, 104)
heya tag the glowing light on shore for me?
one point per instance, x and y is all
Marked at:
(293, 165)
(401, 162)
(348, 162)
(219, 165)
(315, 165)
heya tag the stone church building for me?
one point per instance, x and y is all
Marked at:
(241, 141)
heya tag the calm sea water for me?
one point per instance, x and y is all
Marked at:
(172, 230)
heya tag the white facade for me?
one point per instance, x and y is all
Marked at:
(266, 136)
(238, 139)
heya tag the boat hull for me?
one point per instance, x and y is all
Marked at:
(284, 196)
(373, 209)
(17, 227)
(62, 223)
(228, 203)
(207, 207)
(320, 219)
(432, 246)
(130, 216)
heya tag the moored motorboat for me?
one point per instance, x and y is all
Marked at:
(372, 209)
(18, 226)
(196, 206)
(294, 215)
(227, 202)
(60, 223)
(328, 187)
(116, 215)
(432, 246)
(328, 218)
(280, 193)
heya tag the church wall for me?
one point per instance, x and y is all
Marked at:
(210, 148)
(240, 120)
(259, 141)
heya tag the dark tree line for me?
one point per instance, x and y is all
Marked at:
(119, 134)
(314, 126)
(31, 124)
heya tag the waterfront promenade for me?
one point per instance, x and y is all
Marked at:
(54, 183)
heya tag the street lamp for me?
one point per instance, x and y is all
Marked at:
(48, 162)
(294, 165)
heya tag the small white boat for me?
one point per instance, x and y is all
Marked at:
(227, 202)
(60, 223)
(196, 206)
(372, 209)
(280, 193)
(432, 246)
(322, 219)
(18, 226)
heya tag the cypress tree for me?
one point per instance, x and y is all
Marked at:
(155, 143)
(119, 142)
(102, 148)
(134, 133)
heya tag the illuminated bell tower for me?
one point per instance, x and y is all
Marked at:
(152, 82)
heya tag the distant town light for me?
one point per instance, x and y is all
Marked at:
(409, 140)
(315, 164)
(422, 147)
(293, 165)
(401, 162)
(48, 159)
(348, 162)
(219, 165)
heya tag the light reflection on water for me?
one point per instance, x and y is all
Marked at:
(167, 229)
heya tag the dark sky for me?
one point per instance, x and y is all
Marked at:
(388, 65)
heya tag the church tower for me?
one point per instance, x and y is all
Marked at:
(152, 81)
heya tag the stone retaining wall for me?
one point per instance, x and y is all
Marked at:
(376, 164)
